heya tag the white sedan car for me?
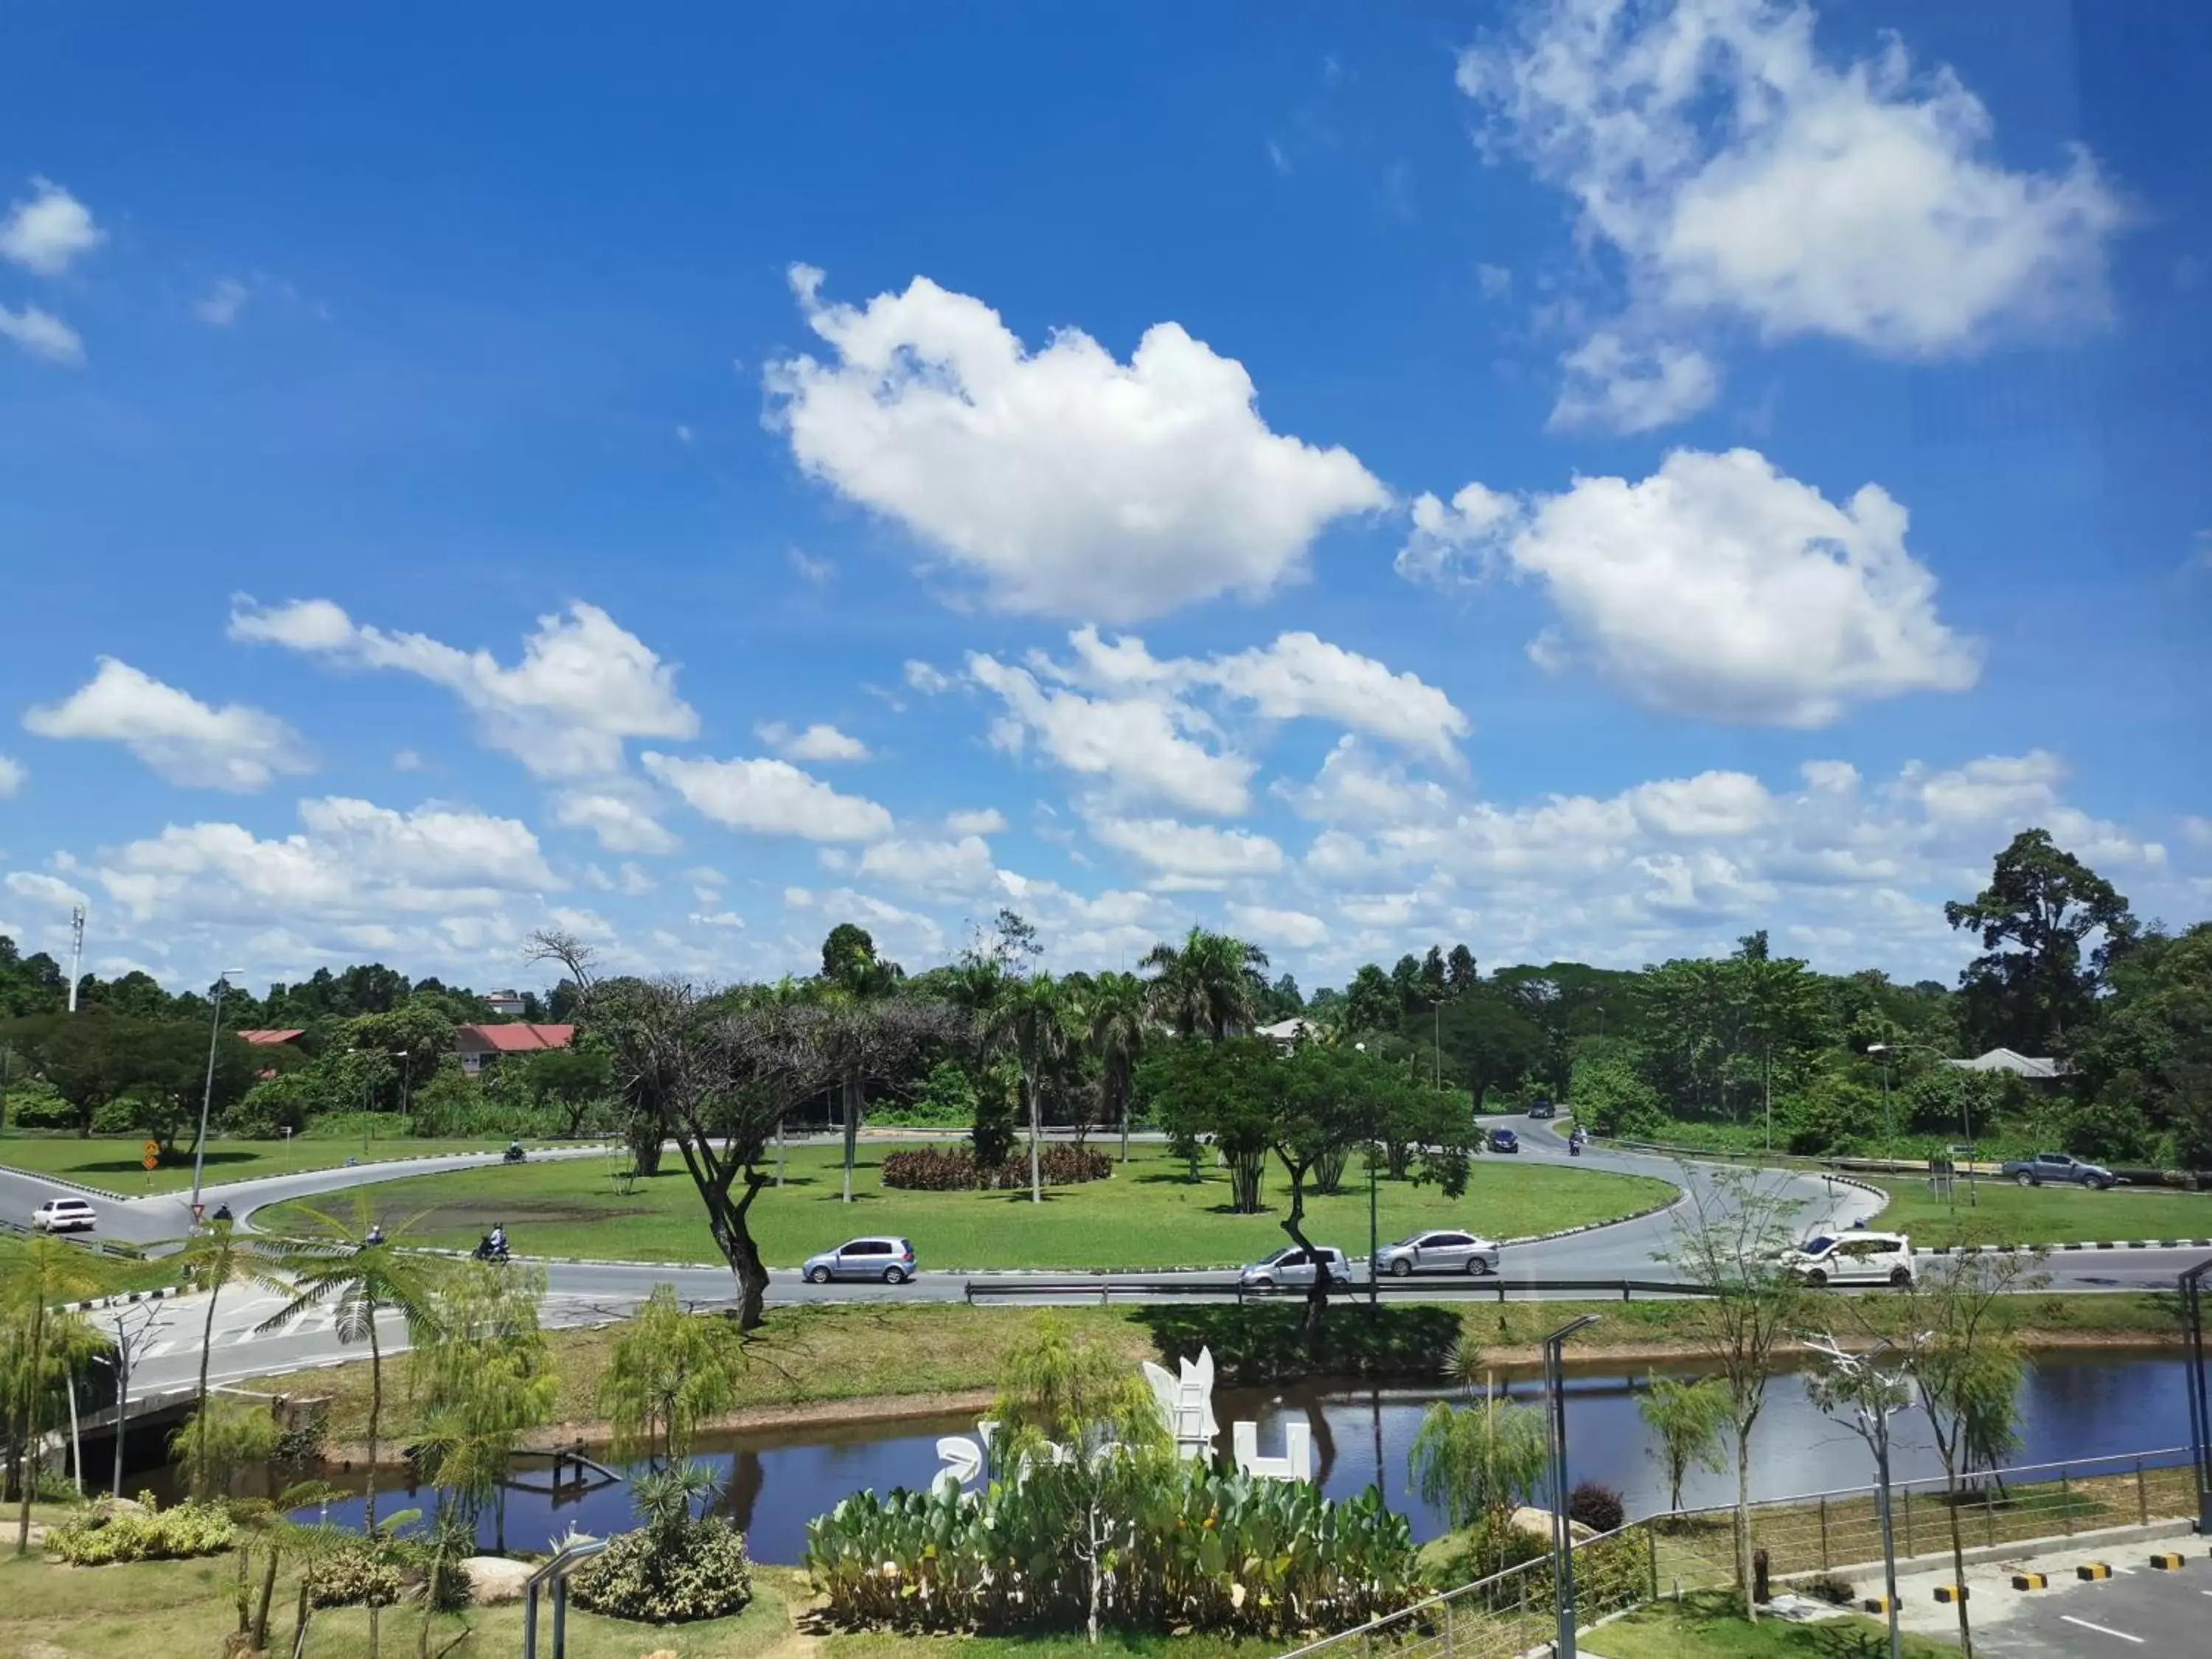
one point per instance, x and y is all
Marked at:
(1442, 1252)
(63, 1215)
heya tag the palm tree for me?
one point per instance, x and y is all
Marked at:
(211, 1260)
(1029, 1017)
(359, 1280)
(1113, 1019)
(1206, 984)
(44, 1272)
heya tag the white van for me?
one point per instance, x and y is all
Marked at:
(1853, 1258)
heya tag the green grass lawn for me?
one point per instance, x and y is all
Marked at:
(1147, 1215)
(1996, 1212)
(1706, 1627)
(108, 1273)
(110, 1163)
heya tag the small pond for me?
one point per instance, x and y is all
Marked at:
(2077, 1405)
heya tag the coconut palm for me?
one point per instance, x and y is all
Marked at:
(1031, 1019)
(211, 1261)
(1113, 1023)
(1206, 984)
(341, 1268)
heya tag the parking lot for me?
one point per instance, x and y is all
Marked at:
(2139, 1611)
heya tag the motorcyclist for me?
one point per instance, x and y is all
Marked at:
(498, 1241)
(1577, 1141)
(222, 1216)
(376, 1233)
(514, 1151)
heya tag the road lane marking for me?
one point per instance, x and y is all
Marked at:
(2101, 1630)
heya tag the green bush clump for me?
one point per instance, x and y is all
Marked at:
(105, 1534)
(669, 1575)
(942, 1169)
(357, 1576)
(1192, 1550)
(1597, 1507)
(1265, 1342)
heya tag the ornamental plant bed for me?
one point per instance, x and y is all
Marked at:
(954, 1168)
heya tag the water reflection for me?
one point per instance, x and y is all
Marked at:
(2080, 1406)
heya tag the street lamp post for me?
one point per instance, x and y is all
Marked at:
(1852, 1380)
(207, 1094)
(403, 1055)
(1555, 1424)
(1966, 1105)
(1374, 1227)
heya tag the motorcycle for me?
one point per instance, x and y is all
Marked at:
(496, 1254)
(514, 1153)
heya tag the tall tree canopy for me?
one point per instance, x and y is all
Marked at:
(2031, 989)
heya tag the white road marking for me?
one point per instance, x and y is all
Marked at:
(2101, 1630)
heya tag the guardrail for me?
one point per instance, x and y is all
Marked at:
(1454, 1290)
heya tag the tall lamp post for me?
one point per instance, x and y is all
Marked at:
(1851, 1381)
(1555, 1425)
(1374, 1227)
(207, 1094)
(1965, 1105)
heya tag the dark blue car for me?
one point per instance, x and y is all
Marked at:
(1505, 1140)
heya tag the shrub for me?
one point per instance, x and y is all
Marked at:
(1198, 1551)
(105, 1534)
(947, 1101)
(356, 1576)
(1265, 1342)
(1826, 1587)
(669, 1574)
(1599, 1508)
(943, 1169)
(998, 1112)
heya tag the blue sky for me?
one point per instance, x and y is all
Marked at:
(1586, 482)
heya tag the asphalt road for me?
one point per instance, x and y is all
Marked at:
(583, 1293)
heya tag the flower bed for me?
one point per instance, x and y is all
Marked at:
(942, 1169)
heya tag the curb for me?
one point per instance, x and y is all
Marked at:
(122, 1298)
(2078, 1244)
(112, 1197)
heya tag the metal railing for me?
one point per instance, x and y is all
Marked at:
(1511, 1613)
(1432, 1290)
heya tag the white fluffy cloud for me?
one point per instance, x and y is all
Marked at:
(1618, 387)
(1269, 926)
(12, 776)
(1189, 856)
(950, 868)
(583, 686)
(984, 821)
(354, 861)
(1071, 483)
(770, 798)
(1737, 169)
(622, 823)
(1718, 587)
(1144, 748)
(45, 233)
(184, 739)
(42, 334)
(220, 306)
(1302, 677)
(41, 889)
(818, 742)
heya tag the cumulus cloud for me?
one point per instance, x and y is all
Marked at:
(45, 233)
(584, 685)
(1737, 170)
(1269, 926)
(42, 889)
(770, 798)
(13, 777)
(185, 740)
(1189, 856)
(1070, 484)
(1717, 587)
(986, 821)
(1144, 748)
(1354, 786)
(42, 334)
(946, 867)
(622, 823)
(926, 679)
(354, 861)
(818, 742)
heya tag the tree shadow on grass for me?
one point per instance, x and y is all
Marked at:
(1265, 1342)
(172, 1161)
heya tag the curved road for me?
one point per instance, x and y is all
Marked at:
(583, 1293)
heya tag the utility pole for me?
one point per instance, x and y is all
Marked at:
(1562, 1536)
(207, 1094)
(1851, 1380)
(128, 1342)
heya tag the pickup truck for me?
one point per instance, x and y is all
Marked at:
(2059, 1169)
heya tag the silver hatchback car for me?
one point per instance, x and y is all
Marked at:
(1294, 1268)
(891, 1259)
(1444, 1252)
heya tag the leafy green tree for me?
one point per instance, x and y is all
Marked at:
(359, 1275)
(218, 1440)
(211, 1261)
(2030, 990)
(1783, 1015)
(44, 1271)
(1206, 986)
(1114, 1024)
(849, 961)
(574, 1079)
(1370, 1003)
(1461, 973)
(1686, 1420)
(998, 1112)
(1030, 1020)
(669, 1373)
(1477, 1464)
(2151, 1047)
(485, 1378)
(1220, 1094)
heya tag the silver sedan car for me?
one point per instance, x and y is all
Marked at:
(1443, 1252)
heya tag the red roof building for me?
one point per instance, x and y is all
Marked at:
(269, 1039)
(478, 1043)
